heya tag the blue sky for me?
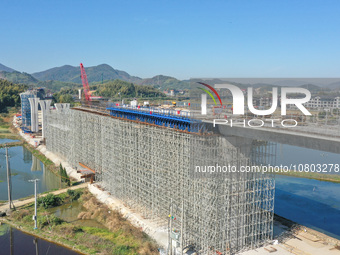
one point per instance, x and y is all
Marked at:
(184, 38)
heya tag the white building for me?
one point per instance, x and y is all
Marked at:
(322, 103)
(134, 103)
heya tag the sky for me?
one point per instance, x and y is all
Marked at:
(180, 38)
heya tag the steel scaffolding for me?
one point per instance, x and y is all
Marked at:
(26, 108)
(151, 168)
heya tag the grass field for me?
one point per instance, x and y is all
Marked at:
(5, 124)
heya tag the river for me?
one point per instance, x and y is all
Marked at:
(24, 167)
(313, 203)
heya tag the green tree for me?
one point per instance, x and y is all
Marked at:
(9, 94)
(63, 175)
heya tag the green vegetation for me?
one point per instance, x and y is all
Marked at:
(49, 201)
(98, 73)
(52, 200)
(64, 96)
(4, 230)
(127, 90)
(3, 124)
(74, 194)
(49, 220)
(40, 156)
(19, 78)
(315, 176)
(69, 76)
(63, 175)
(6, 131)
(9, 94)
(58, 85)
(67, 98)
(165, 82)
(117, 237)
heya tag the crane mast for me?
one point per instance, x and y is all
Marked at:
(85, 83)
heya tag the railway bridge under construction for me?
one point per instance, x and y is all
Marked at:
(148, 160)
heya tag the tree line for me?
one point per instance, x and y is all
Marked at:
(9, 94)
(117, 88)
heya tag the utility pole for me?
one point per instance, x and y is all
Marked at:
(35, 204)
(9, 180)
(120, 97)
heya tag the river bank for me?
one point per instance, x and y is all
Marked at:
(314, 176)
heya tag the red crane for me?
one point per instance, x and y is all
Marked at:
(85, 83)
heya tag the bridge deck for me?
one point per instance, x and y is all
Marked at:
(300, 139)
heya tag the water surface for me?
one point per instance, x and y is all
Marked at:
(313, 203)
(24, 167)
(69, 212)
(15, 242)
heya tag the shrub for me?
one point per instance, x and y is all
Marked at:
(23, 213)
(56, 220)
(49, 201)
(77, 229)
(74, 194)
(50, 220)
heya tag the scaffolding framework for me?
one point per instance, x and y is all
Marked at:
(26, 108)
(151, 169)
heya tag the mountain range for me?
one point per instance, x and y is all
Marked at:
(5, 68)
(69, 73)
(69, 76)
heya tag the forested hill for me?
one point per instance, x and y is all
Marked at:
(9, 94)
(165, 82)
(18, 78)
(69, 73)
(111, 89)
(68, 76)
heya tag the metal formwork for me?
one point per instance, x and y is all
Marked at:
(150, 168)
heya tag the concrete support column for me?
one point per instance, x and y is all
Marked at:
(60, 107)
(45, 106)
(34, 114)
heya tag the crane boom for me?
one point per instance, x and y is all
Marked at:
(85, 83)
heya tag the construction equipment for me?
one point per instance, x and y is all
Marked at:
(85, 83)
